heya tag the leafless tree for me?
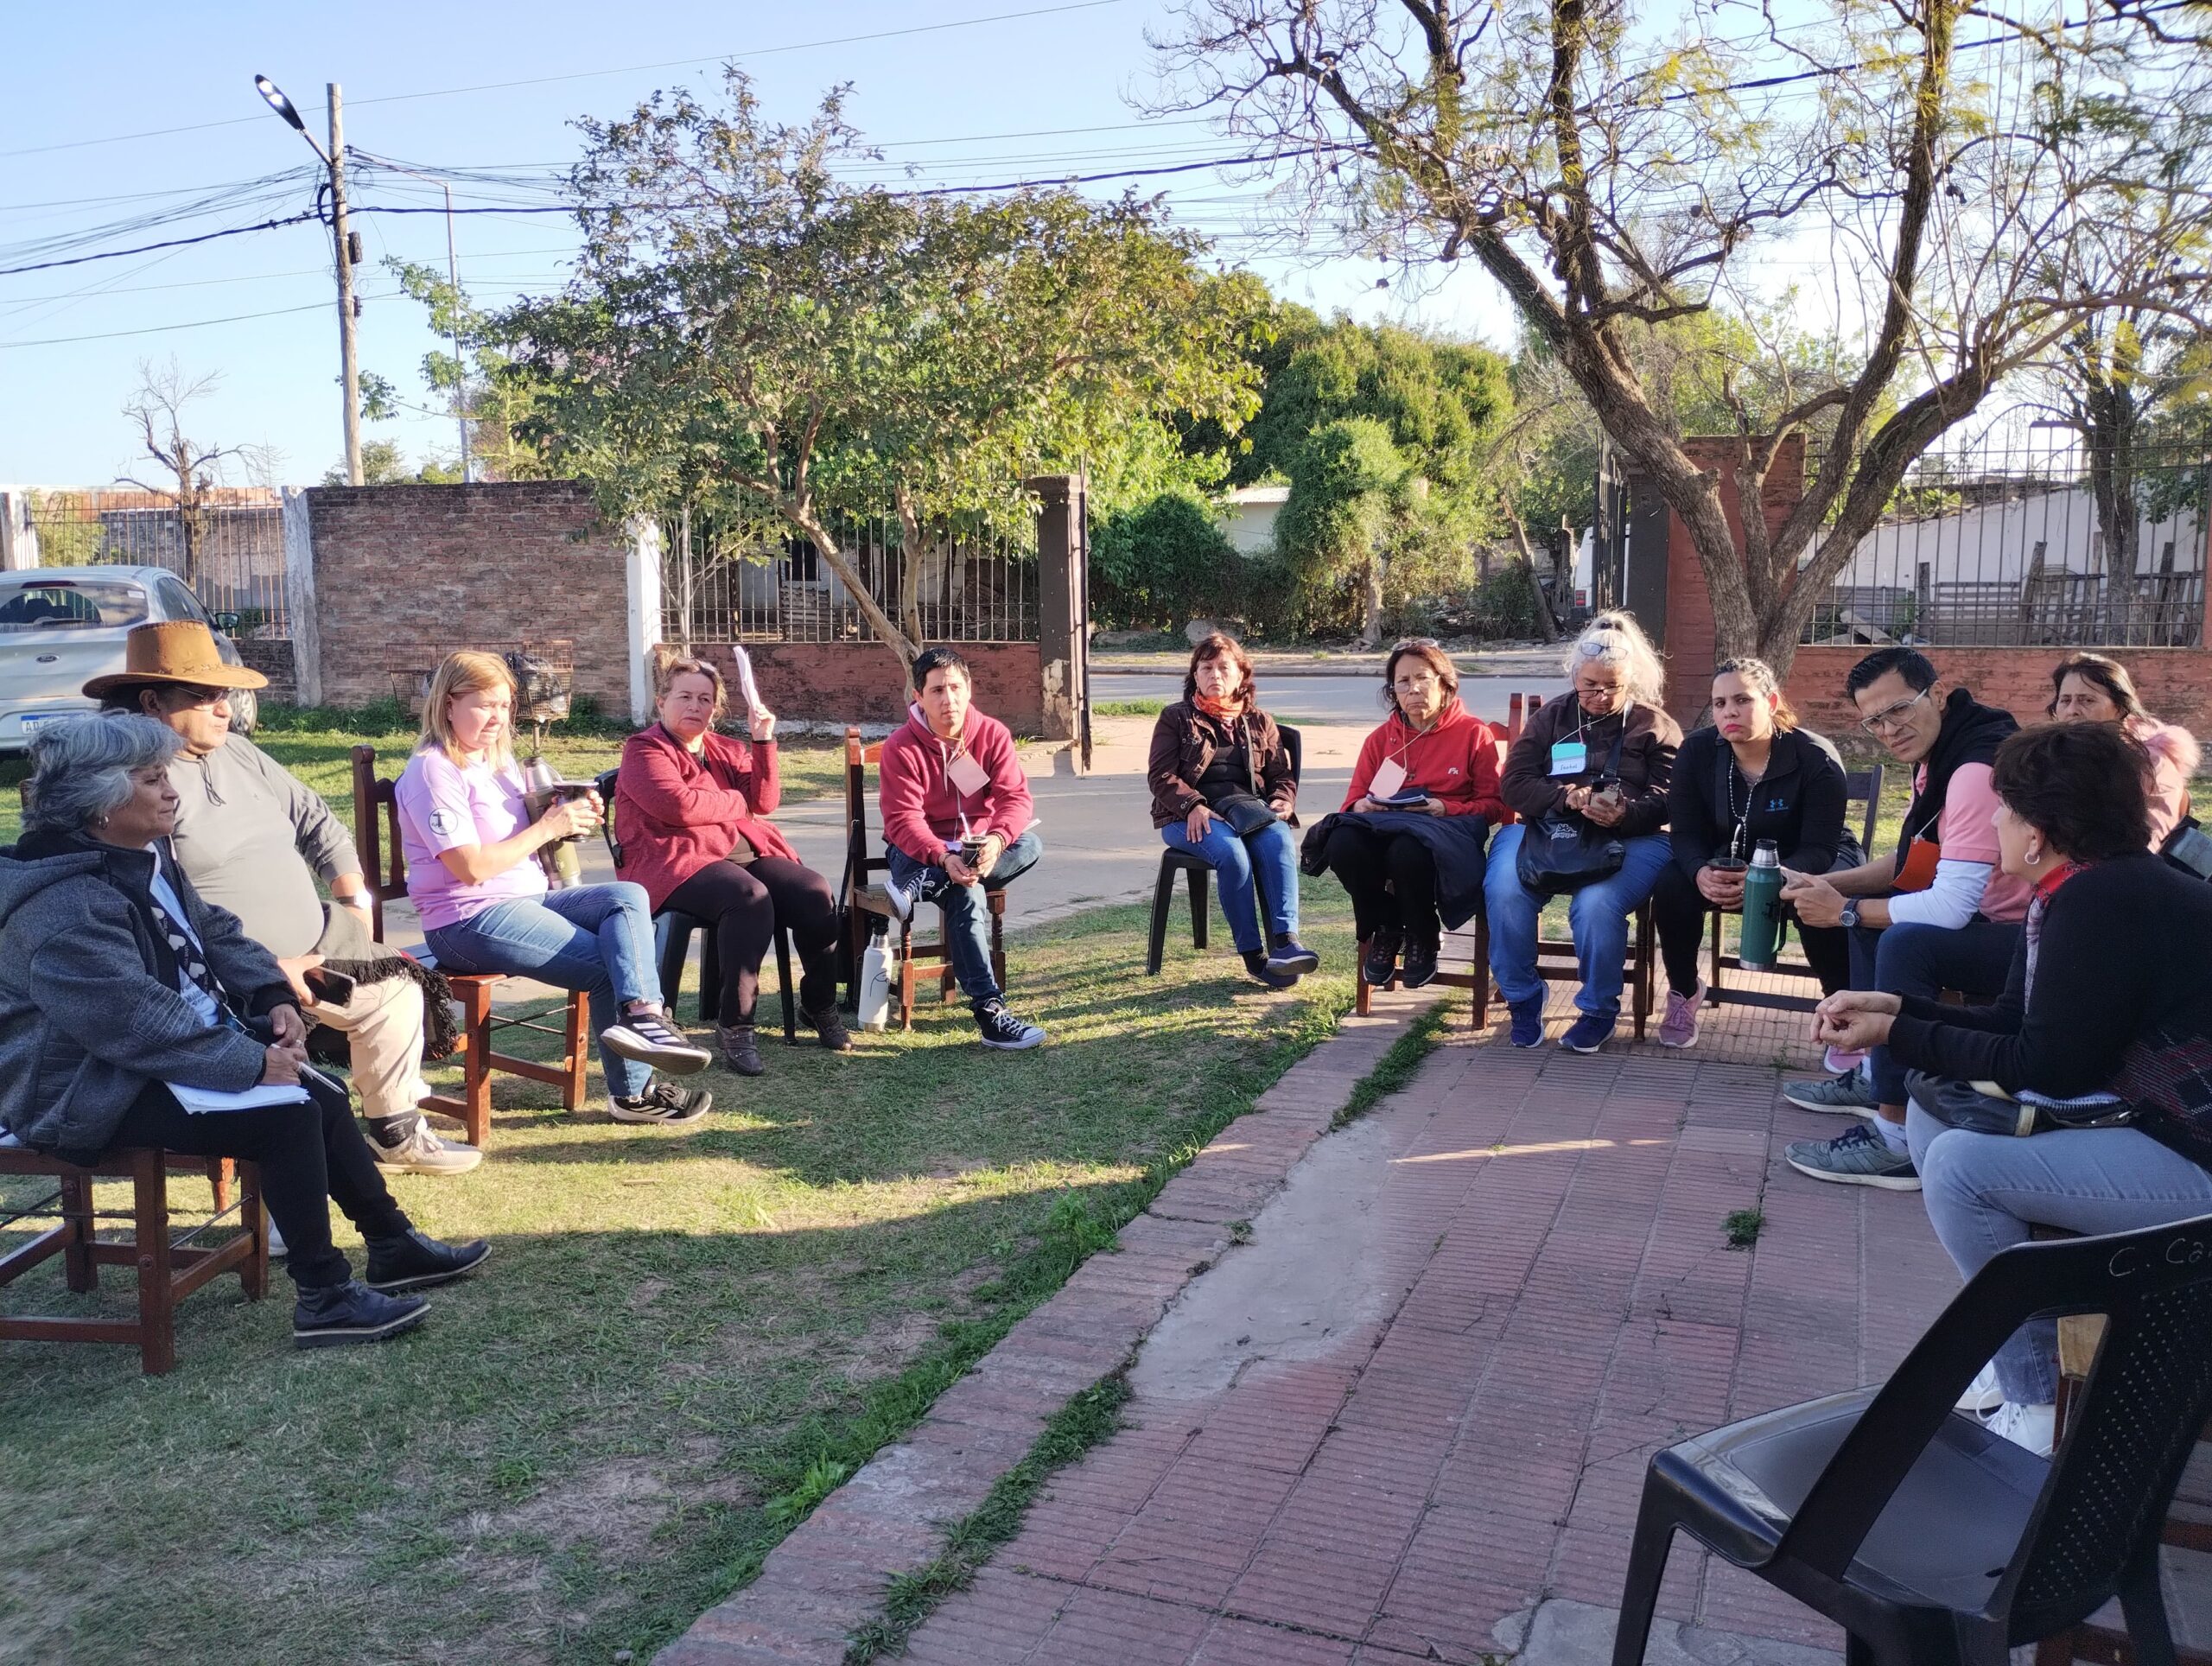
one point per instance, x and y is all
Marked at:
(194, 468)
(1948, 166)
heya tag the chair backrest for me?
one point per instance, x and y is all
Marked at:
(603, 783)
(376, 835)
(2130, 1435)
(1294, 744)
(858, 862)
(1519, 709)
(1864, 786)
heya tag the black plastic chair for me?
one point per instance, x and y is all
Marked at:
(1172, 862)
(1929, 1539)
(673, 934)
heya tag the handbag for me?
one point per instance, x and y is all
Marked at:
(2189, 848)
(1244, 813)
(1563, 851)
(1985, 1107)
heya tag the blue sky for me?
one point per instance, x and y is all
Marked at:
(938, 101)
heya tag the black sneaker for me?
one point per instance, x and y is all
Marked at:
(1288, 954)
(416, 1261)
(740, 1045)
(1382, 956)
(1257, 963)
(1002, 1030)
(829, 1026)
(1420, 966)
(342, 1313)
(665, 1102)
(646, 1039)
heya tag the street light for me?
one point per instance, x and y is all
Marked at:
(333, 158)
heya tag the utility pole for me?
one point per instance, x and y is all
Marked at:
(349, 369)
(452, 280)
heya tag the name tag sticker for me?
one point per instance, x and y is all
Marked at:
(965, 773)
(1389, 776)
(1569, 757)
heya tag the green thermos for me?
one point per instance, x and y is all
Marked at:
(1762, 908)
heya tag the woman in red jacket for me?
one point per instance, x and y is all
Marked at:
(1417, 816)
(689, 803)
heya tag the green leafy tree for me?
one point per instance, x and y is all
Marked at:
(1350, 492)
(1161, 563)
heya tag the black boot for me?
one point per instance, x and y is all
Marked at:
(333, 1315)
(740, 1045)
(1257, 964)
(828, 1026)
(416, 1261)
(1382, 956)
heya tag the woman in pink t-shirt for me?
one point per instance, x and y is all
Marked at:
(473, 875)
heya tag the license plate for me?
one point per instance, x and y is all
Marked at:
(38, 720)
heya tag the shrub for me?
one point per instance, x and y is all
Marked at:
(1161, 563)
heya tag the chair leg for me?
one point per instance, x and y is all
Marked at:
(710, 976)
(1362, 990)
(1198, 907)
(1480, 971)
(906, 974)
(782, 977)
(82, 1272)
(476, 1062)
(253, 1272)
(157, 1296)
(577, 1061)
(1163, 899)
(673, 942)
(1714, 980)
(1646, 1567)
(1642, 968)
(998, 937)
(219, 1176)
(2150, 1634)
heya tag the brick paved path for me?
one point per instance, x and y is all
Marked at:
(1546, 1297)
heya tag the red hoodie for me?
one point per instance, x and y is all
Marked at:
(676, 811)
(922, 808)
(1457, 760)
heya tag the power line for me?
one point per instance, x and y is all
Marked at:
(171, 243)
(193, 324)
(589, 74)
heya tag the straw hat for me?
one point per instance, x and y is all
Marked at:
(178, 651)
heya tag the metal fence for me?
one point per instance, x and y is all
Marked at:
(2030, 545)
(735, 585)
(231, 550)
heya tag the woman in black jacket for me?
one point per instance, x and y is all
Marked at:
(1753, 775)
(2110, 995)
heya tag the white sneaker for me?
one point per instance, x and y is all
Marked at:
(1984, 1395)
(277, 1250)
(2034, 1428)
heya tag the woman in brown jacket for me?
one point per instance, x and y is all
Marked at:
(1218, 764)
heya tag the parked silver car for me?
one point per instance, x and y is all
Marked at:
(60, 626)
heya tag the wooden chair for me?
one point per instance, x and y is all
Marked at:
(169, 1269)
(862, 899)
(673, 934)
(1172, 862)
(1859, 786)
(376, 831)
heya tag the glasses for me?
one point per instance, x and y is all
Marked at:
(1890, 716)
(1423, 680)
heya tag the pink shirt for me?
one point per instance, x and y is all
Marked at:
(1967, 832)
(444, 805)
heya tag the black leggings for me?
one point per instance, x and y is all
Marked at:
(1366, 860)
(1679, 910)
(311, 1156)
(744, 905)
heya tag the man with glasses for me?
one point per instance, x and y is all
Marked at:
(254, 839)
(1939, 914)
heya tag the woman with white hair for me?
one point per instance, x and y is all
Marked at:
(130, 1012)
(1588, 779)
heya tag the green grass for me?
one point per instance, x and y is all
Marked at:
(316, 744)
(1151, 706)
(683, 1340)
(1396, 1067)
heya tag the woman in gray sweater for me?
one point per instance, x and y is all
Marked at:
(133, 1013)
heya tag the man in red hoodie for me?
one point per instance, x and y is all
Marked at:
(957, 824)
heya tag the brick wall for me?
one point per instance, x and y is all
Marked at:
(2175, 683)
(858, 682)
(404, 574)
(1689, 651)
(272, 656)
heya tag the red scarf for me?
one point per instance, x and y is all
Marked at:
(1221, 711)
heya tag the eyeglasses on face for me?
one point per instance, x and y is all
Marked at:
(1890, 716)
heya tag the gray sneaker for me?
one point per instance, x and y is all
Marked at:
(1860, 1157)
(421, 1152)
(1848, 1096)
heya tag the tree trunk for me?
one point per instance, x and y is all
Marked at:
(910, 575)
(1370, 626)
(1545, 621)
(902, 647)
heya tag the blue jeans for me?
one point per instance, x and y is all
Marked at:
(1926, 960)
(967, 917)
(1269, 855)
(1598, 917)
(1983, 1189)
(598, 938)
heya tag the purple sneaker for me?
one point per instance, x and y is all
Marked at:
(1678, 1027)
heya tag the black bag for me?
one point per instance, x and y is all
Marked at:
(1565, 851)
(1971, 1106)
(2189, 848)
(1244, 813)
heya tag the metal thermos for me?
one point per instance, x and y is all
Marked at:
(541, 791)
(1762, 908)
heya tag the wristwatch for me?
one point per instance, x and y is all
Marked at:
(1849, 918)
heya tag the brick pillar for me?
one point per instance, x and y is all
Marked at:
(1062, 624)
(1690, 646)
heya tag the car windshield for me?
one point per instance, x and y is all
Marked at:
(71, 604)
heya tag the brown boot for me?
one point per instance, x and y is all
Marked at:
(741, 1050)
(828, 1025)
